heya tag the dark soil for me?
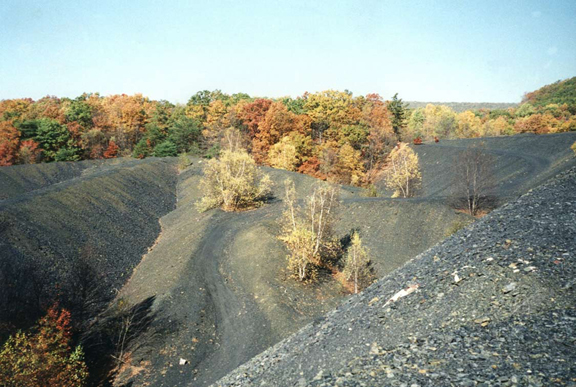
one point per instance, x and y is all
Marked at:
(215, 282)
(92, 228)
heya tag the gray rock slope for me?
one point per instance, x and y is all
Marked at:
(493, 305)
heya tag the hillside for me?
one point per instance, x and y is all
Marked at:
(520, 162)
(492, 305)
(221, 292)
(560, 92)
(82, 232)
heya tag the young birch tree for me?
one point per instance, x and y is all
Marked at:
(357, 265)
(403, 171)
(473, 177)
(307, 232)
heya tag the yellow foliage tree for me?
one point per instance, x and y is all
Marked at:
(233, 182)
(439, 121)
(349, 168)
(216, 120)
(307, 232)
(499, 127)
(43, 357)
(403, 171)
(468, 125)
(283, 155)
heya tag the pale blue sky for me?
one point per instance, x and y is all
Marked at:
(477, 51)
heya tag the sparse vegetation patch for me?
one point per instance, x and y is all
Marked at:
(233, 182)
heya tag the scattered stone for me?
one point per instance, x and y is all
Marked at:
(509, 288)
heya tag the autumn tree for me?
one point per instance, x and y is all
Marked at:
(29, 152)
(381, 138)
(43, 357)
(94, 143)
(348, 168)
(283, 155)
(277, 123)
(403, 171)
(331, 109)
(440, 121)
(9, 139)
(111, 151)
(308, 230)
(415, 126)
(357, 264)
(233, 182)
(468, 125)
(473, 178)
(253, 113)
(216, 121)
(499, 127)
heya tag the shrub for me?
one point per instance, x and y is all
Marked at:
(233, 182)
(165, 149)
(573, 147)
(456, 226)
(357, 264)
(301, 261)
(66, 154)
(212, 152)
(371, 191)
(403, 171)
(183, 161)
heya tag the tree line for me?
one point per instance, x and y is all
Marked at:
(332, 135)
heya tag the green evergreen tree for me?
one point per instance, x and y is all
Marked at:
(398, 110)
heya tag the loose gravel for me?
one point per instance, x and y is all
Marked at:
(493, 305)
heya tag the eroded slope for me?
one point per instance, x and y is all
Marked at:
(492, 305)
(95, 228)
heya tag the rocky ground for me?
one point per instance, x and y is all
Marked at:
(493, 305)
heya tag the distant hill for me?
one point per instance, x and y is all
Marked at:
(559, 92)
(463, 106)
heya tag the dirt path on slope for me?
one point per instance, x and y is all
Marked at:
(242, 331)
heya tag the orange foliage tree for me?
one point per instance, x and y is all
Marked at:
(9, 139)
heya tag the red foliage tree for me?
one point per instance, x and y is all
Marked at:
(111, 151)
(9, 139)
(45, 357)
(253, 113)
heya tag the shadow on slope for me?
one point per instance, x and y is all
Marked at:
(78, 241)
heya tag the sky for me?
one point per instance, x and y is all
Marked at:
(440, 51)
